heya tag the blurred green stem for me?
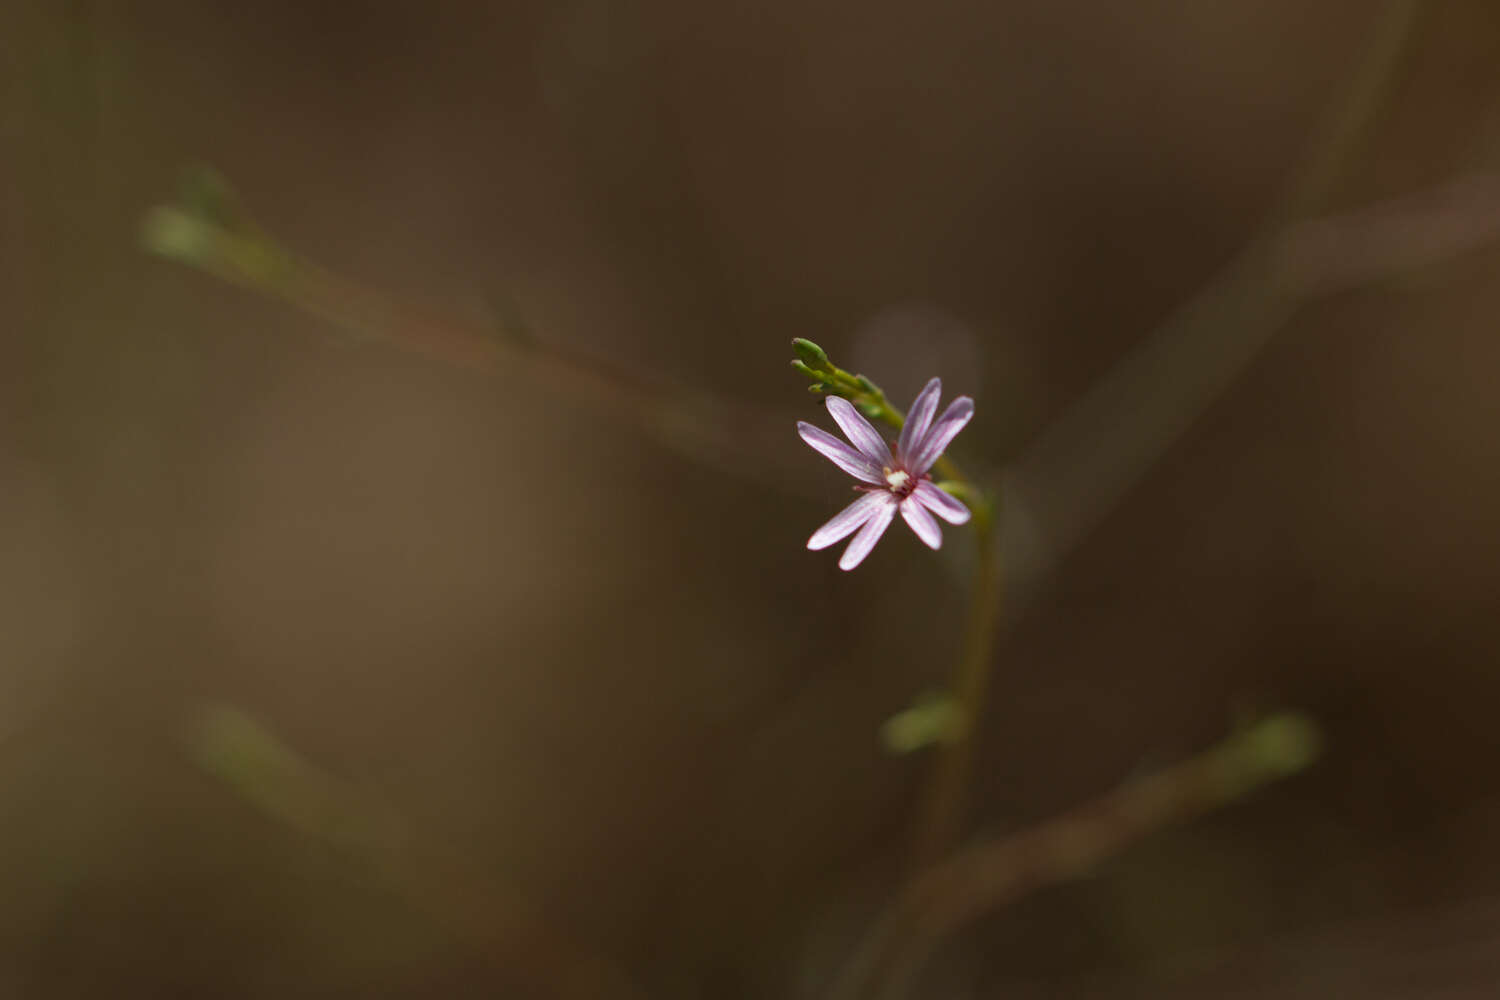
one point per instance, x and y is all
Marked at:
(504, 929)
(726, 435)
(980, 878)
(985, 876)
(953, 735)
(943, 807)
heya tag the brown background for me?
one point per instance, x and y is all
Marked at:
(595, 676)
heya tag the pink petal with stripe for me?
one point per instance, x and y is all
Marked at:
(921, 522)
(943, 505)
(859, 432)
(840, 454)
(870, 533)
(846, 521)
(919, 418)
(958, 413)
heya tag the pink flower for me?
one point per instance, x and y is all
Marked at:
(895, 482)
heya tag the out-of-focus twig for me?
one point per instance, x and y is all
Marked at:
(1071, 476)
(1334, 146)
(1388, 240)
(500, 926)
(980, 878)
(1081, 466)
(1451, 950)
(225, 242)
(941, 810)
(1091, 458)
(1100, 449)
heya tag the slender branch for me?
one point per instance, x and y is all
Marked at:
(1403, 236)
(1080, 469)
(942, 810)
(1072, 475)
(504, 929)
(1087, 461)
(988, 875)
(1352, 116)
(953, 729)
(730, 436)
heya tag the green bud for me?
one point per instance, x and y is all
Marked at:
(818, 388)
(811, 354)
(174, 233)
(933, 719)
(1285, 743)
(866, 384)
(806, 371)
(871, 410)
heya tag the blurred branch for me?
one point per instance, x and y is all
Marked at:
(1076, 471)
(238, 750)
(1450, 950)
(941, 811)
(988, 875)
(1084, 464)
(1087, 462)
(1334, 146)
(214, 234)
(1389, 240)
(252, 760)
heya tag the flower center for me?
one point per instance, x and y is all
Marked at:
(900, 481)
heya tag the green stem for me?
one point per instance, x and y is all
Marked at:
(942, 810)
(945, 797)
(984, 876)
(729, 436)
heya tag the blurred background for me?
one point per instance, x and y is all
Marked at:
(329, 670)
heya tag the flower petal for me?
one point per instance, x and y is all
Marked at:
(944, 506)
(919, 417)
(870, 533)
(846, 521)
(858, 430)
(841, 454)
(922, 523)
(958, 413)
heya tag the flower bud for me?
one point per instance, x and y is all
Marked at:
(811, 354)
